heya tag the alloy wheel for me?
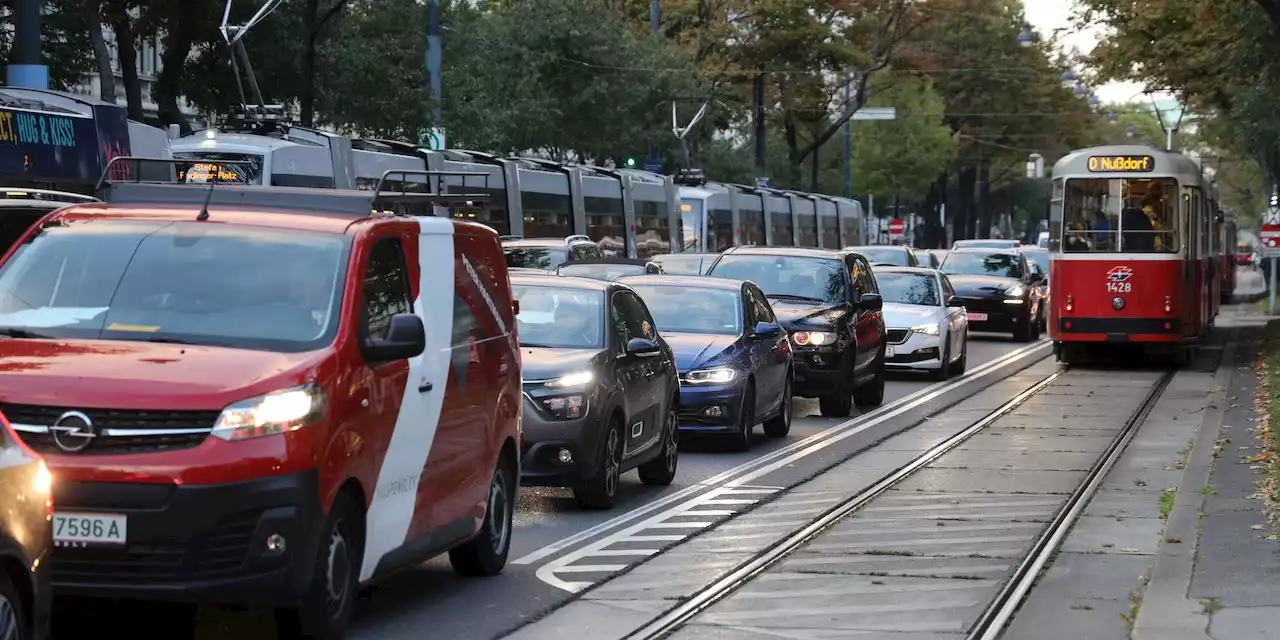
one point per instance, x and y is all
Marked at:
(499, 512)
(8, 619)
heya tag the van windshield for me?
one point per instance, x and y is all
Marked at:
(181, 282)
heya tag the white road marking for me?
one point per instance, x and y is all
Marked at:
(718, 481)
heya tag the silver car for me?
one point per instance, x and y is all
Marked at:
(928, 328)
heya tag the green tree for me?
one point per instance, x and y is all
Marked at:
(570, 78)
(903, 156)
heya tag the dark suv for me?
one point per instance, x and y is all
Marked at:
(547, 253)
(26, 539)
(829, 302)
(601, 392)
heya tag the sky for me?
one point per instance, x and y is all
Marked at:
(1046, 16)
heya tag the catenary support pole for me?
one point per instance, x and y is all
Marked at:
(848, 137)
(435, 61)
(26, 61)
(1271, 309)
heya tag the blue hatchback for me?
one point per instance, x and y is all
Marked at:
(733, 357)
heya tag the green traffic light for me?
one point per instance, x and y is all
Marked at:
(631, 162)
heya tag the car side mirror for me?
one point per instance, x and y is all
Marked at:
(955, 301)
(767, 330)
(1036, 278)
(643, 348)
(406, 338)
(872, 301)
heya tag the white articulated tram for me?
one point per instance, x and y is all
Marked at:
(628, 212)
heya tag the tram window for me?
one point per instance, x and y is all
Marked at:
(720, 230)
(652, 229)
(1120, 215)
(781, 221)
(605, 225)
(752, 227)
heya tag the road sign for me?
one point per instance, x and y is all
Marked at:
(432, 139)
(1270, 235)
(896, 227)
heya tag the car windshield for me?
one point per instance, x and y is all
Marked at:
(674, 264)
(982, 264)
(802, 277)
(1041, 258)
(987, 244)
(603, 271)
(909, 288)
(680, 309)
(885, 255)
(543, 258)
(560, 317)
(183, 282)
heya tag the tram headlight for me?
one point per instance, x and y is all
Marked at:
(1117, 303)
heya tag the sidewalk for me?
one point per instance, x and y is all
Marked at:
(1176, 544)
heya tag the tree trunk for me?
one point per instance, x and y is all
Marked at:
(984, 199)
(122, 24)
(177, 46)
(813, 173)
(932, 219)
(962, 223)
(101, 56)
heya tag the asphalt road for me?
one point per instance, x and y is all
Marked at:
(551, 550)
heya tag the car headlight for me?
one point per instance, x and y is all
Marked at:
(813, 338)
(926, 329)
(576, 379)
(1015, 292)
(274, 413)
(718, 375)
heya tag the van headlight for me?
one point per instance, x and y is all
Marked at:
(274, 413)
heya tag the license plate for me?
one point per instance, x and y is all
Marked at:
(978, 317)
(71, 529)
(888, 352)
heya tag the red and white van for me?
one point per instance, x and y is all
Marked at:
(267, 404)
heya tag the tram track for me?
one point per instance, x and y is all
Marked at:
(1013, 586)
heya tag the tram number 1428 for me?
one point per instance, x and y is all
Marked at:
(1120, 287)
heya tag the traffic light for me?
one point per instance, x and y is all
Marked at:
(631, 163)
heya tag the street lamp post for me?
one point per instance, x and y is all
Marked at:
(26, 64)
(435, 55)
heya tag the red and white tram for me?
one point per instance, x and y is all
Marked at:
(1133, 262)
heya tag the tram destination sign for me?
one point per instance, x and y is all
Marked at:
(1121, 164)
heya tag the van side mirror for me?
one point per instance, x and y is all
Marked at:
(767, 330)
(871, 301)
(955, 301)
(406, 338)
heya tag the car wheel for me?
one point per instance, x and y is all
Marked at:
(331, 596)
(662, 469)
(944, 364)
(839, 403)
(601, 489)
(780, 425)
(12, 624)
(486, 554)
(871, 394)
(740, 440)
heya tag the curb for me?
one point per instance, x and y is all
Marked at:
(1166, 612)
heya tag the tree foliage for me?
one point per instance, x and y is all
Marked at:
(903, 156)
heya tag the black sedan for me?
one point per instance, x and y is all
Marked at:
(999, 290)
(601, 393)
(608, 268)
(733, 357)
(829, 303)
(26, 539)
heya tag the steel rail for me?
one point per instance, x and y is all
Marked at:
(672, 619)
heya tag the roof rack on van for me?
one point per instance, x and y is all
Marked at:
(392, 195)
(579, 237)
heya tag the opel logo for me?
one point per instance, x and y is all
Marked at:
(73, 431)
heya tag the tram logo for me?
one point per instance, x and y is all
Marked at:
(1119, 273)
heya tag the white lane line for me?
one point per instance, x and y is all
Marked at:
(593, 568)
(910, 401)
